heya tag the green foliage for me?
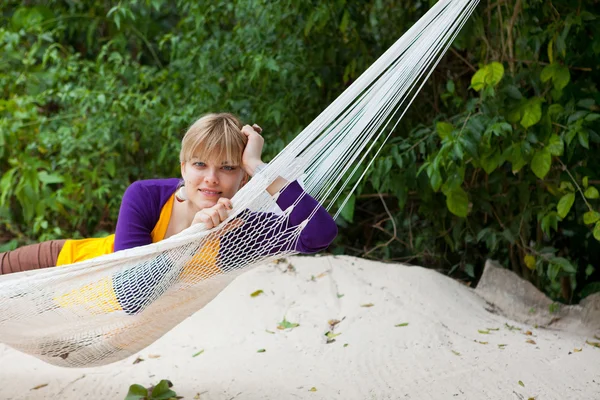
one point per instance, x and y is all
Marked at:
(162, 391)
(495, 158)
(488, 76)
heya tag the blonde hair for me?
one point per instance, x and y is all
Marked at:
(214, 137)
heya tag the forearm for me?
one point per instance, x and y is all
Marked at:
(275, 186)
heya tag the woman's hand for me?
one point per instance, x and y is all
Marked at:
(252, 156)
(214, 215)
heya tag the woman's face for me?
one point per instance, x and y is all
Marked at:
(208, 180)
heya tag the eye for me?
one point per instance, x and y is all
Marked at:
(229, 168)
(198, 164)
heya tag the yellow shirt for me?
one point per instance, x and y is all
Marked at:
(99, 296)
(83, 249)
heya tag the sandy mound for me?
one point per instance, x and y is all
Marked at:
(405, 333)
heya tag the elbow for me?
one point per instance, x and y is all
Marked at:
(324, 234)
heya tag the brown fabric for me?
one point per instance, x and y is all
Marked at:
(34, 256)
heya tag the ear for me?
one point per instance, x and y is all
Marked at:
(245, 180)
(183, 170)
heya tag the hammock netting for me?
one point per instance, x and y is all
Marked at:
(105, 309)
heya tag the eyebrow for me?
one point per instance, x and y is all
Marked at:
(222, 163)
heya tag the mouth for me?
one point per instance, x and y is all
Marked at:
(210, 193)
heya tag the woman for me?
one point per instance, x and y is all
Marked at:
(218, 155)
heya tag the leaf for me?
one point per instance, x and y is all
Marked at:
(484, 332)
(136, 392)
(436, 180)
(312, 389)
(162, 391)
(591, 217)
(584, 138)
(502, 346)
(478, 79)
(541, 162)
(547, 73)
(530, 261)
(153, 356)
(595, 344)
(559, 74)
(577, 350)
(521, 383)
(490, 75)
(515, 157)
(585, 181)
(198, 353)
(532, 112)
(491, 162)
(565, 204)
(331, 335)
(261, 350)
(564, 264)
(591, 193)
(345, 344)
(597, 231)
(285, 324)
(39, 386)
(345, 20)
(550, 221)
(530, 341)
(556, 145)
(512, 327)
(256, 293)
(402, 324)
(589, 270)
(457, 202)
(555, 110)
(268, 331)
(367, 305)
(348, 211)
(480, 342)
(48, 179)
(561, 77)
(340, 295)
(138, 360)
(444, 129)
(456, 352)
(591, 117)
(495, 73)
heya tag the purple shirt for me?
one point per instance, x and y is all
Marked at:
(143, 201)
(263, 234)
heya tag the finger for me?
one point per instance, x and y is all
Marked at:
(257, 128)
(220, 208)
(202, 218)
(226, 202)
(213, 216)
(248, 130)
(221, 211)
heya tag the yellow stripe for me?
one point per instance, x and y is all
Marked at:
(160, 229)
(97, 297)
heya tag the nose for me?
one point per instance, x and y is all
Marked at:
(211, 176)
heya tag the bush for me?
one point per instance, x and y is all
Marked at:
(493, 160)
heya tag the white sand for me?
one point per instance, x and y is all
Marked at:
(437, 356)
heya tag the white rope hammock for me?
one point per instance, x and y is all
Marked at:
(108, 308)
